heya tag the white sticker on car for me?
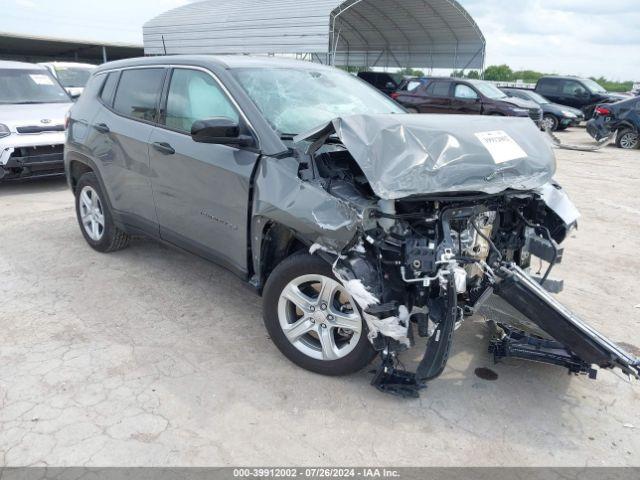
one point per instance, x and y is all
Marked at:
(501, 146)
(41, 79)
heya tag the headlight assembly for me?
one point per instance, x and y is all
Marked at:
(568, 114)
(4, 131)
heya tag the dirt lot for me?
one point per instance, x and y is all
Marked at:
(153, 357)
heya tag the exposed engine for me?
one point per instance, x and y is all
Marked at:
(430, 261)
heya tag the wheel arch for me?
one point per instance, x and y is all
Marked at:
(275, 243)
(76, 165)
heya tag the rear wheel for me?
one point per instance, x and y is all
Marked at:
(312, 319)
(95, 218)
(628, 139)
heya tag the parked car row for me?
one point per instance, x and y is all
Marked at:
(555, 104)
(33, 102)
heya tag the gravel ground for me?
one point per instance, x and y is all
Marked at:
(152, 357)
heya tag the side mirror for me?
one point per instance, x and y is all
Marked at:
(220, 130)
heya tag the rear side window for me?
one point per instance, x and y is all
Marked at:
(138, 93)
(109, 88)
(549, 85)
(195, 95)
(439, 89)
(413, 85)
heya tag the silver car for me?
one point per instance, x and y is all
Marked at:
(33, 106)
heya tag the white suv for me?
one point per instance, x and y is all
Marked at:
(72, 76)
(33, 106)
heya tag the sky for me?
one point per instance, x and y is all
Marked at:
(578, 37)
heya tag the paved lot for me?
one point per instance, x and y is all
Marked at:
(154, 357)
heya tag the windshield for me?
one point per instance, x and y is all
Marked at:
(73, 77)
(593, 87)
(30, 86)
(294, 101)
(489, 90)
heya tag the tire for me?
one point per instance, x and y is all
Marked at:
(107, 237)
(302, 271)
(552, 121)
(628, 139)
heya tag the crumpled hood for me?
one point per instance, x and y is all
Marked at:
(15, 116)
(407, 155)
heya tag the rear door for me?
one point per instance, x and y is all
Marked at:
(437, 97)
(119, 141)
(551, 88)
(201, 190)
(466, 100)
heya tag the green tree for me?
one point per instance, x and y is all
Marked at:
(528, 76)
(473, 75)
(411, 72)
(499, 73)
(353, 69)
(612, 86)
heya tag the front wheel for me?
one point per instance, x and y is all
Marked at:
(550, 122)
(628, 139)
(312, 319)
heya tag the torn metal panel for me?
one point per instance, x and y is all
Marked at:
(304, 207)
(406, 155)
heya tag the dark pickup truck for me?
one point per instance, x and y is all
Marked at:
(581, 93)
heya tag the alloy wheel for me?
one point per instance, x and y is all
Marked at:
(319, 318)
(91, 213)
(629, 140)
(549, 123)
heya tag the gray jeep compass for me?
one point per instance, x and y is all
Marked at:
(363, 227)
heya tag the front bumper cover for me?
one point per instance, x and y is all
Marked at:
(32, 155)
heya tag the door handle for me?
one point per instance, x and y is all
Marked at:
(164, 147)
(102, 128)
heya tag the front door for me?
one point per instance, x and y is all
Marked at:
(466, 100)
(201, 190)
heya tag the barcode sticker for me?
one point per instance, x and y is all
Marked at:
(41, 79)
(501, 146)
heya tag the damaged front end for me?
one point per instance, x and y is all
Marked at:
(442, 219)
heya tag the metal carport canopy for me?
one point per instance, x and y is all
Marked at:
(388, 33)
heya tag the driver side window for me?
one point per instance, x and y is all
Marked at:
(574, 89)
(465, 92)
(195, 95)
